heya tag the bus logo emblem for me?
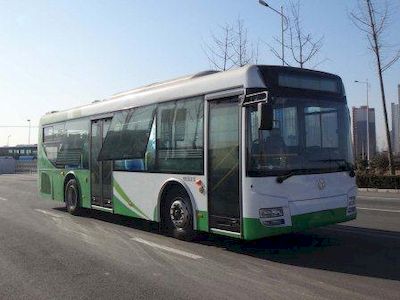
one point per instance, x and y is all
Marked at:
(321, 184)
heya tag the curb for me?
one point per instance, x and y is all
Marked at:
(378, 190)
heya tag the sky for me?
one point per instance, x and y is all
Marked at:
(58, 54)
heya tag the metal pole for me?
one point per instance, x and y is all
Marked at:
(29, 132)
(283, 20)
(368, 156)
(283, 41)
(8, 140)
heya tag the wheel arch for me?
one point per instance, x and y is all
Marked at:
(168, 185)
(71, 175)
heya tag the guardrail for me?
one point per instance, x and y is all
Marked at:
(26, 166)
(7, 165)
(10, 165)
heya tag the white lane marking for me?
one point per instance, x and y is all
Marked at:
(3, 199)
(49, 213)
(165, 248)
(377, 198)
(379, 209)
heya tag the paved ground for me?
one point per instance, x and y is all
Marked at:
(47, 254)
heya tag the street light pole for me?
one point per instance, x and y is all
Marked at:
(29, 132)
(283, 28)
(282, 38)
(367, 86)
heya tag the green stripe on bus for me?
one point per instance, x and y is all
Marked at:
(121, 209)
(129, 201)
(202, 220)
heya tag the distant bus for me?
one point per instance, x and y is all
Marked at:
(20, 152)
(247, 153)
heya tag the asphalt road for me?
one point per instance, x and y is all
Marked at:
(47, 254)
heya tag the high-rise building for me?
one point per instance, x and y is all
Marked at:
(395, 133)
(360, 129)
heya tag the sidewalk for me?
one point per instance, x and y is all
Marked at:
(379, 190)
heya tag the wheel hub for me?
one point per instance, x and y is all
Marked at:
(72, 196)
(179, 213)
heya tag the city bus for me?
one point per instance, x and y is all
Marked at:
(246, 153)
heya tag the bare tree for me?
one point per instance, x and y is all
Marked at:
(230, 48)
(373, 21)
(241, 45)
(302, 46)
(256, 52)
(220, 51)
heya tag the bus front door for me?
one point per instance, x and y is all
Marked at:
(223, 165)
(100, 171)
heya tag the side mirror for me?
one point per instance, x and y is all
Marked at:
(265, 114)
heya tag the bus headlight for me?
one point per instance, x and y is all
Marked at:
(351, 206)
(271, 212)
(352, 201)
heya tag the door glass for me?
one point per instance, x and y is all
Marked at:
(95, 175)
(106, 171)
(223, 174)
(100, 171)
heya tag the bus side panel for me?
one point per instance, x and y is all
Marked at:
(121, 208)
(136, 194)
(58, 184)
(51, 180)
(48, 183)
(83, 178)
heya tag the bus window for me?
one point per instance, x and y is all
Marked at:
(128, 135)
(180, 136)
(75, 142)
(53, 138)
(140, 164)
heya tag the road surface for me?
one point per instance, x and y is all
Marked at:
(47, 254)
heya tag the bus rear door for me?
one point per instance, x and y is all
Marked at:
(100, 171)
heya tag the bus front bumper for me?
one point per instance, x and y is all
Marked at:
(253, 228)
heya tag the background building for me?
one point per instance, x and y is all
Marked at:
(360, 132)
(22, 152)
(18, 159)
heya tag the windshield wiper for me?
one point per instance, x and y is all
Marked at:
(344, 167)
(291, 173)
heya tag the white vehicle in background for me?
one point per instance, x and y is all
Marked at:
(248, 153)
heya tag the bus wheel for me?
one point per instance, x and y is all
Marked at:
(178, 216)
(72, 200)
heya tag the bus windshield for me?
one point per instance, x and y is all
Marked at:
(308, 135)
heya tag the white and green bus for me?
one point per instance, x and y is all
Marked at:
(247, 153)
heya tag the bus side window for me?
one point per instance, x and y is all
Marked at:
(180, 136)
(127, 141)
(139, 164)
(150, 155)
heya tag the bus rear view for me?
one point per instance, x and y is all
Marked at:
(299, 170)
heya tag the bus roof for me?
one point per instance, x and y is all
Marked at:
(197, 84)
(202, 83)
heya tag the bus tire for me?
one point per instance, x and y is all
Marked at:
(72, 198)
(177, 215)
